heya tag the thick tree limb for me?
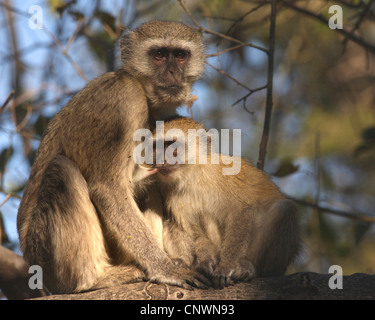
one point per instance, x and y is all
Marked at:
(302, 285)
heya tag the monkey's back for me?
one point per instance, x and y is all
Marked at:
(89, 131)
(200, 205)
(250, 186)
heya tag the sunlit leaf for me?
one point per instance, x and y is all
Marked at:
(106, 18)
(60, 6)
(286, 168)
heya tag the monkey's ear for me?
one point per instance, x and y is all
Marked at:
(126, 45)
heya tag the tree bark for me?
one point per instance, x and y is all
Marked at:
(301, 286)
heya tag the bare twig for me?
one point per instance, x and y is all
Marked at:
(360, 20)
(73, 37)
(17, 59)
(10, 195)
(229, 76)
(203, 29)
(348, 4)
(52, 36)
(269, 102)
(217, 17)
(7, 101)
(193, 98)
(317, 167)
(320, 18)
(346, 214)
(66, 55)
(6, 200)
(24, 121)
(244, 16)
(251, 91)
(225, 50)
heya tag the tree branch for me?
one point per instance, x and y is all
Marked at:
(346, 214)
(297, 286)
(320, 18)
(269, 102)
(203, 29)
(7, 101)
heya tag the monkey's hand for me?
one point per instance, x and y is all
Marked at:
(206, 266)
(179, 262)
(181, 277)
(226, 274)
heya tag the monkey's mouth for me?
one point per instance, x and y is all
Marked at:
(165, 170)
(171, 87)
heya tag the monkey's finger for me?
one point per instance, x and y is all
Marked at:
(186, 285)
(222, 282)
(198, 281)
(218, 281)
(197, 284)
(202, 279)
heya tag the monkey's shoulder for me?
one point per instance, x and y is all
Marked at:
(109, 92)
(114, 80)
(247, 179)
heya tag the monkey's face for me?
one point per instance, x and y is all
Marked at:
(166, 58)
(170, 73)
(169, 65)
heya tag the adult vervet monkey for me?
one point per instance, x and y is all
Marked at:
(78, 218)
(229, 227)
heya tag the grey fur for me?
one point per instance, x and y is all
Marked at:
(229, 227)
(78, 217)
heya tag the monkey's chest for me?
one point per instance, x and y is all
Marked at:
(197, 212)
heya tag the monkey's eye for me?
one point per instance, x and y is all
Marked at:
(180, 55)
(159, 54)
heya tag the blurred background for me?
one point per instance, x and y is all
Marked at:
(321, 149)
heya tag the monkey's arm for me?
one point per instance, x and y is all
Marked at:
(110, 110)
(127, 231)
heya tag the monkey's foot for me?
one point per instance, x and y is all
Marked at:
(183, 278)
(224, 276)
(206, 266)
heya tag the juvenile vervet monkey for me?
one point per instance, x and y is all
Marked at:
(78, 218)
(229, 227)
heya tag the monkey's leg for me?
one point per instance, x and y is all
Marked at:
(178, 244)
(238, 234)
(153, 213)
(65, 236)
(127, 231)
(277, 240)
(207, 255)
